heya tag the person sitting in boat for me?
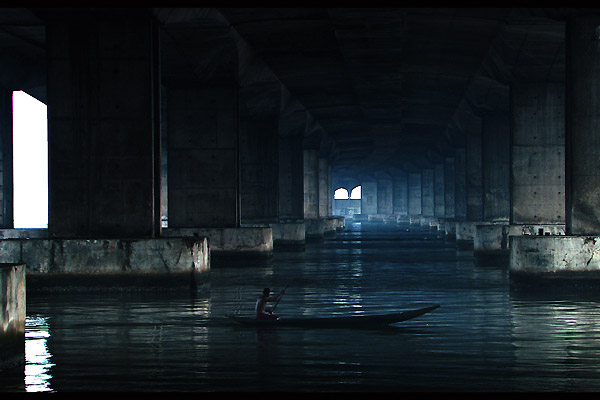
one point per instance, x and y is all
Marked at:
(261, 304)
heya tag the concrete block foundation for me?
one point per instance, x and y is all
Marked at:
(491, 243)
(109, 264)
(12, 316)
(566, 261)
(252, 241)
(289, 236)
(465, 234)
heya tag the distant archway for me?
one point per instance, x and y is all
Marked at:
(356, 193)
(340, 194)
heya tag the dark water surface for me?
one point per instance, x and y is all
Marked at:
(482, 338)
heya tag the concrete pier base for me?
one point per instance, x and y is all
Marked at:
(450, 230)
(12, 316)
(315, 229)
(491, 244)
(339, 223)
(243, 242)
(560, 261)
(72, 264)
(289, 236)
(465, 235)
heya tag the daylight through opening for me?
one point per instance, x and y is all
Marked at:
(30, 162)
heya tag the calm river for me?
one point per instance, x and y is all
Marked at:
(483, 337)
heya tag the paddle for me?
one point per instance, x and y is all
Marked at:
(277, 302)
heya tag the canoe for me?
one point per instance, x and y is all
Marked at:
(353, 321)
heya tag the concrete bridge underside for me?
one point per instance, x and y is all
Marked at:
(185, 136)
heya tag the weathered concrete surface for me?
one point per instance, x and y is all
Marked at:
(491, 242)
(289, 236)
(465, 234)
(231, 242)
(450, 230)
(535, 259)
(23, 233)
(109, 263)
(318, 228)
(12, 315)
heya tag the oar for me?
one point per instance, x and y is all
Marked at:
(277, 302)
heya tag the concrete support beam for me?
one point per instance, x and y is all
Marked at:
(291, 178)
(12, 316)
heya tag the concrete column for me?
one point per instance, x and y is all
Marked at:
(369, 198)
(203, 163)
(12, 316)
(6, 160)
(582, 122)
(385, 192)
(449, 197)
(427, 197)
(473, 174)
(491, 236)
(414, 198)
(400, 200)
(311, 184)
(259, 180)
(104, 160)
(537, 153)
(324, 187)
(496, 167)
(439, 210)
(291, 177)
(460, 199)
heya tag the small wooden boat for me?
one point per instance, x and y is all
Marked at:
(352, 321)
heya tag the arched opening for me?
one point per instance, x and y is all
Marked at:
(340, 194)
(345, 205)
(356, 193)
(30, 162)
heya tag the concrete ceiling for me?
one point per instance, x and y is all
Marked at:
(387, 88)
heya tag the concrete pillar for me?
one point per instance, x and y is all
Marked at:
(259, 170)
(324, 173)
(104, 159)
(537, 153)
(385, 193)
(460, 188)
(427, 197)
(369, 198)
(311, 184)
(582, 122)
(496, 167)
(12, 316)
(6, 160)
(291, 177)
(400, 200)
(439, 210)
(414, 198)
(204, 172)
(449, 199)
(491, 236)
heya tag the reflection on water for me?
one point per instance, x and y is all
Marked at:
(483, 337)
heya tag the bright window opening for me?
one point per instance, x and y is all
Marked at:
(356, 193)
(340, 194)
(30, 162)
